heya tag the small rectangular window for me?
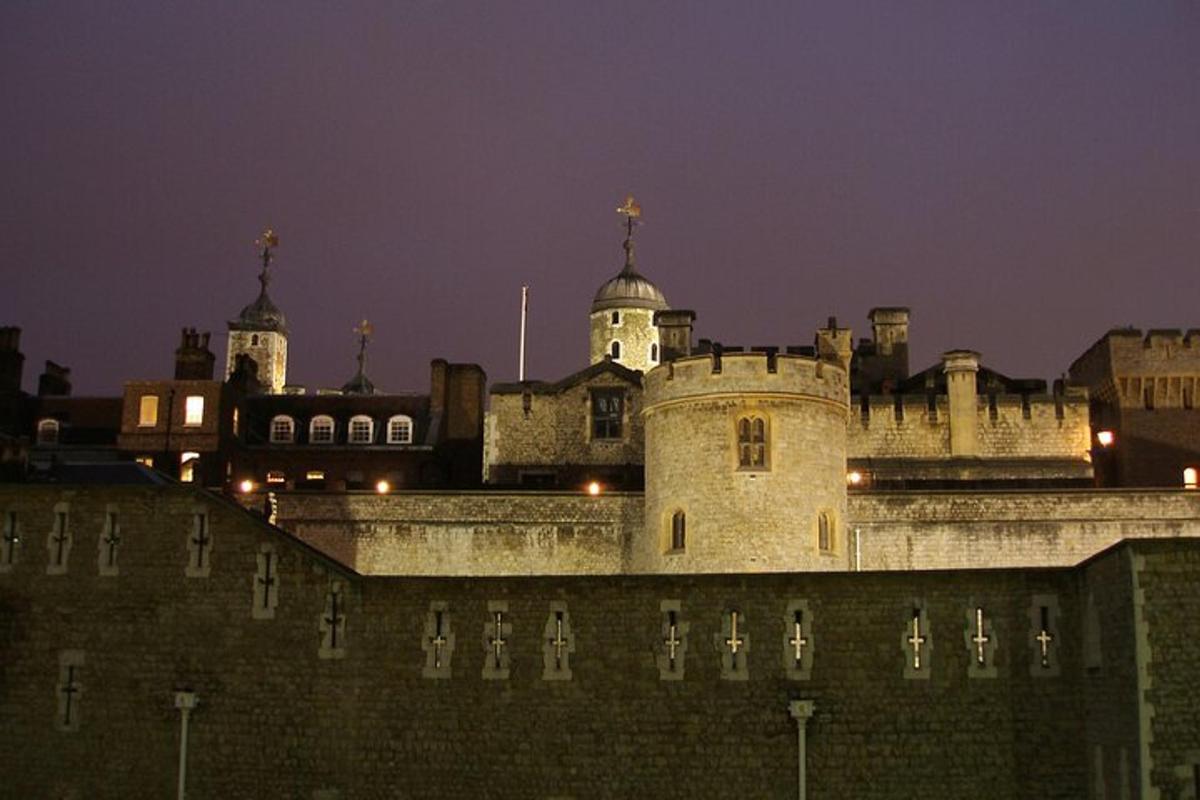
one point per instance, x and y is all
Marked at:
(187, 466)
(193, 410)
(314, 475)
(607, 412)
(276, 477)
(148, 411)
(145, 461)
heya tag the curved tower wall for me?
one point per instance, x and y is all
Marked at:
(744, 518)
(267, 348)
(634, 329)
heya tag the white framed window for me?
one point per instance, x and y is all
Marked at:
(361, 428)
(193, 410)
(400, 430)
(148, 411)
(187, 466)
(320, 430)
(47, 431)
(283, 429)
(616, 318)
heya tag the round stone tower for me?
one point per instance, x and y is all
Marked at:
(622, 318)
(745, 465)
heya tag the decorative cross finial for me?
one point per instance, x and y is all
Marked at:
(266, 244)
(632, 211)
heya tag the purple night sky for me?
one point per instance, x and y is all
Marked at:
(1023, 175)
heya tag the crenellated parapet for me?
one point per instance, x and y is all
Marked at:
(747, 373)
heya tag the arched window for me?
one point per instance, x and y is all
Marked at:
(254, 340)
(616, 318)
(320, 430)
(400, 430)
(361, 428)
(752, 442)
(654, 354)
(47, 431)
(825, 532)
(283, 430)
(678, 530)
(615, 350)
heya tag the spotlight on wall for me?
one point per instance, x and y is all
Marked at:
(246, 486)
(593, 488)
(854, 478)
(1105, 438)
(383, 487)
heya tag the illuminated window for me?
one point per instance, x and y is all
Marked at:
(314, 475)
(187, 466)
(320, 430)
(752, 442)
(615, 350)
(145, 461)
(825, 532)
(237, 422)
(360, 430)
(283, 430)
(607, 411)
(400, 430)
(47, 431)
(148, 411)
(1190, 478)
(678, 530)
(193, 410)
(276, 477)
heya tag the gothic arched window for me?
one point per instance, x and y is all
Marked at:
(678, 530)
(825, 532)
(615, 350)
(752, 443)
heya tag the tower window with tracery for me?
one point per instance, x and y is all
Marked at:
(752, 443)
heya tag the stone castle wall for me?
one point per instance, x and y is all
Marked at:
(276, 717)
(517, 533)
(744, 517)
(1042, 430)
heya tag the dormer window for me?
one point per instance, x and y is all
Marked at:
(320, 430)
(400, 430)
(47, 431)
(283, 430)
(361, 428)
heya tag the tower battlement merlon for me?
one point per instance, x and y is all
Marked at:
(749, 373)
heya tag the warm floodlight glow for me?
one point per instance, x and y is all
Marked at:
(383, 487)
(854, 478)
(593, 488)
(246, 486)
(1190, 478)
(1105, 438)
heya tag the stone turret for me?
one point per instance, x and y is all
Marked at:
(623, 311)
(961, 367)
(745, 464)
(260, 330)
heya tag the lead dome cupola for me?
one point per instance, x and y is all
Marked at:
(629, 288)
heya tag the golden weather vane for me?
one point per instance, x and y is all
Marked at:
(364, 329)
(266, 244)
(631, 210)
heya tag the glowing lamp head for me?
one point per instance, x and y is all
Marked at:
(593, 488)
(1105, 438)
(854, 477)
(246, 486)
(383, 487)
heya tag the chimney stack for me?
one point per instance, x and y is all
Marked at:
(193, 360)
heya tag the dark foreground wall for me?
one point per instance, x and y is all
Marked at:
(381, 712)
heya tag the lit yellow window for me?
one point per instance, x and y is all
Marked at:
(187, 466)
(1190, 478)
(148, 411)
(193, 410)
(145, 461)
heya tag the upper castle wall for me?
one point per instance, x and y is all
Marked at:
(746, 373)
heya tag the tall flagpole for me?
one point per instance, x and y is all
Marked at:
(524, 315)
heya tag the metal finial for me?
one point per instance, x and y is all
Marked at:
(632, 211)
(266, 244)
(364, 331)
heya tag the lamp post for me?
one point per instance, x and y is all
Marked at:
(185, 701)
(801, 710)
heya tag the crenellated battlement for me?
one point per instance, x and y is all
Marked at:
(755, 372)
